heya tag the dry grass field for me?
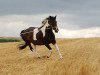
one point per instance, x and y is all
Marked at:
(80, 57)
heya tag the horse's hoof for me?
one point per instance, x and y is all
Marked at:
(61, 57)
(47, 56)
(39, 57)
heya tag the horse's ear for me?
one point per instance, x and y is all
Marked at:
(49, 17)
(55, 17)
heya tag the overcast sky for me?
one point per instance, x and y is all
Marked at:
(76, 18)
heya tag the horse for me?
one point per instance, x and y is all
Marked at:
(42, 35)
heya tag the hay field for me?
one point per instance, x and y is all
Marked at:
(80, 57)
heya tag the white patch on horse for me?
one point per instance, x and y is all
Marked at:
(44, 27)
(34, 34)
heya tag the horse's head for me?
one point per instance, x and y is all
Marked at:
(53, 23)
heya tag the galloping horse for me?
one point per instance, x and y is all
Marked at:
(42, 35)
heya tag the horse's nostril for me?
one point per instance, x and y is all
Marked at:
(56, 31)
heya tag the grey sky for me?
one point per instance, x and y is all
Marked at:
(48, 6)
(72, 14)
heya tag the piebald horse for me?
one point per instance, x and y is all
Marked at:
(42, 35)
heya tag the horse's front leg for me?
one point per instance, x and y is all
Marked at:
(57, 48)
(50, 49)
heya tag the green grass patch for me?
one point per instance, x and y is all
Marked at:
(9, 40)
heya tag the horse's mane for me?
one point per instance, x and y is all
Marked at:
(43, 23)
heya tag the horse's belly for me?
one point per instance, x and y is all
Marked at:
(38, 42)
(41, 42)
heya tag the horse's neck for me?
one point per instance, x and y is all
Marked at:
(42, 27)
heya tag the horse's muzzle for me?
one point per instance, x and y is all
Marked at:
(56, 30)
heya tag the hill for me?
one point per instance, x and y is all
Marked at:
(80, 57)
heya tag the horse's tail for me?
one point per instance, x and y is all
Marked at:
(22, 46)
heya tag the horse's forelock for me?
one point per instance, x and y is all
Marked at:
(51, 18)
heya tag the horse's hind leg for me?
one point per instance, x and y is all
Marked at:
(35, 51)
(30, 47)
(50, 49)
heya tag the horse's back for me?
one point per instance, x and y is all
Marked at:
(27, 34)
(28, 29)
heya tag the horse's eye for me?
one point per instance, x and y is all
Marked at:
(48, 21)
